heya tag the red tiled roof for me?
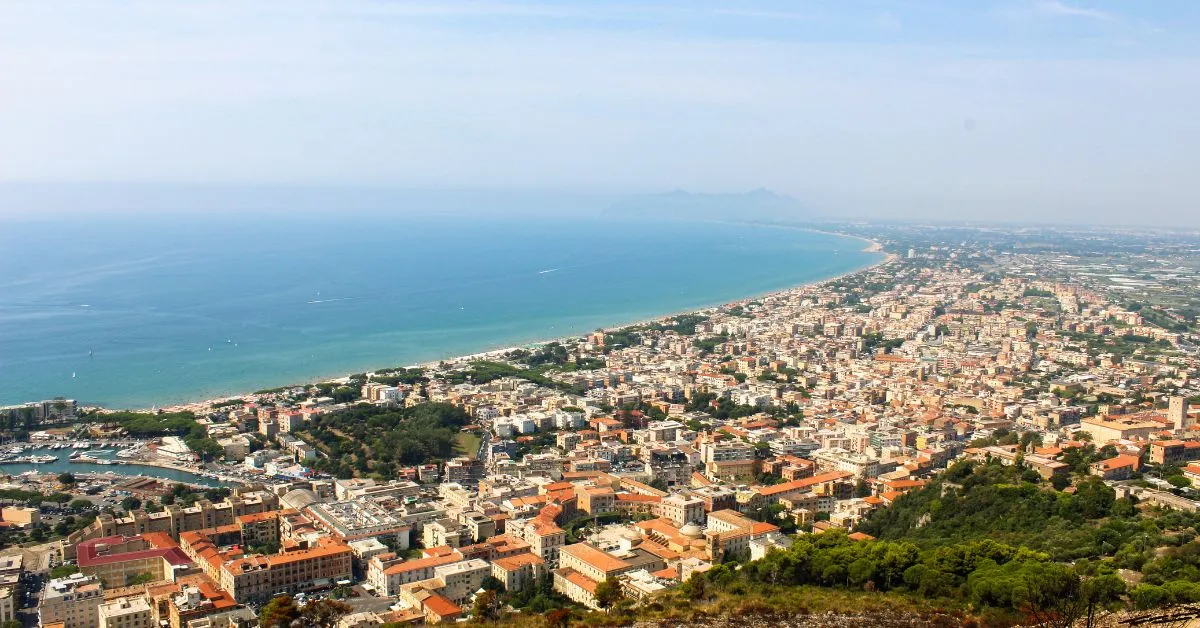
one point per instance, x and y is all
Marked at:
(88, 553)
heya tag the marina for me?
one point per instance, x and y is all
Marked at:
(63, 457)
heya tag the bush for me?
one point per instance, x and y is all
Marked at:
(1146, 596)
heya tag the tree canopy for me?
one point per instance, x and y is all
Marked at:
(366, 439)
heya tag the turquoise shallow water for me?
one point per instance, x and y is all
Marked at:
(136, 311)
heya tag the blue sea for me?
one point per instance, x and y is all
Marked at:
(134, 311)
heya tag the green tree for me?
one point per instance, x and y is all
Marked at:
(696, 588)
(280, 612)
(1146, 596)
(486, 607)
(141, 578)
(1179, 481)
(323, 612)
(80, 504)
(1124, 507)
(860, 571)
(608, 593)
(62, 571)
(1101, 593)
(66, 478)
(131, 503)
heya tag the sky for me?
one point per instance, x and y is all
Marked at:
(1048, 110)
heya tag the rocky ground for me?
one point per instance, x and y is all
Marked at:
(824, 620)
(1183, 616)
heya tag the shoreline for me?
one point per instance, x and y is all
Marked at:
(249, 394)
(872, 246)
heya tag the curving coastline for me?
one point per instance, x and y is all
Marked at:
(872, 246)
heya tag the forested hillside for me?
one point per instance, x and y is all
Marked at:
(981, 544)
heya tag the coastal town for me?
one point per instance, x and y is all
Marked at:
(608, 470)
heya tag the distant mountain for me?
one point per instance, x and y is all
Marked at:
(758, 204)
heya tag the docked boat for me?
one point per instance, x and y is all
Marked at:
(43, 459)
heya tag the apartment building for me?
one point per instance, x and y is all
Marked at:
(74, 601)
(682, 509)
(126, 612)
(387, 573)
(518, 571)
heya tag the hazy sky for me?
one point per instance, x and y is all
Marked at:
(1048, 109)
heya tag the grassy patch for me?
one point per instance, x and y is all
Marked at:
(467, 444)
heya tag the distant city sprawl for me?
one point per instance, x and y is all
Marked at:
(993, 426)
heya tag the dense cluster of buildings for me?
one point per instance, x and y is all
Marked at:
(806, 409)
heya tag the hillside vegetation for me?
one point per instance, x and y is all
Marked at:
(982, 544)
(368, 440)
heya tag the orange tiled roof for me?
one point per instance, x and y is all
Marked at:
(787, 487)
(512, 563)
(1118, 462)
(441, 606)
(599, 559)
(670, 573)
(258, 516)
(325, 548)
(423, 563)
(634, 497)
(579, 580)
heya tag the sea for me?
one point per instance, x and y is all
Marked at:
(142, 310)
